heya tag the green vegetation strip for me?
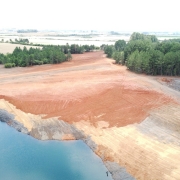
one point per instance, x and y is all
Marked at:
(146, 54)
(49, 54)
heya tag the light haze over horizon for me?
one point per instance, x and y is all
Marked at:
(117, 15)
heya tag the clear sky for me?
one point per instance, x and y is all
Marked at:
(121, 15)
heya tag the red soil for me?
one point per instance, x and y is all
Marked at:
(90, 87)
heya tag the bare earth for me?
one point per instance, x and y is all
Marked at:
(133, 119)
(9, 48)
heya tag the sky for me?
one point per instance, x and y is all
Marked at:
(115, 15)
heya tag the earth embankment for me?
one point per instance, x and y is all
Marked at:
(131, 119)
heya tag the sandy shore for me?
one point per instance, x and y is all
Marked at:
(131, 121)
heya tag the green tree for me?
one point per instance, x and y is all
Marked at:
(109, 49)
(120, 45)
(119, 57)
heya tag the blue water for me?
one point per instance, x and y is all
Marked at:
(25, 158)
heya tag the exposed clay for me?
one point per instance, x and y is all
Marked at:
(127, 119)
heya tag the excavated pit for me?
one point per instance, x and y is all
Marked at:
(129, 120)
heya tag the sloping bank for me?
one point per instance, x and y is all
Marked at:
(144, 151)
(52, 128)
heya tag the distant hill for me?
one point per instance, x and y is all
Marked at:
(27, 31)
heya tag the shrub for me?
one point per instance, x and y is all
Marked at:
(45, 61)
(9, 65)
(37, 62)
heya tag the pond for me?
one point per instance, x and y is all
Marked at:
(26, 158)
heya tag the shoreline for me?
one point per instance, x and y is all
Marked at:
(42, 132)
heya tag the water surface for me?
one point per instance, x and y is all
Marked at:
(25, 158)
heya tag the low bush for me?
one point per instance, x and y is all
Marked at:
(37, 62)
(9, 65)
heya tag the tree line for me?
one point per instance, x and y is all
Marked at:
(48, 54)
(34, 56)
(20, 41)
(145, 54)
(73, 48)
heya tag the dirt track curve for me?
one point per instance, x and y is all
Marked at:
(133, 119)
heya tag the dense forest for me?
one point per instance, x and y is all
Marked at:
(47, 54)
(145, 54)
